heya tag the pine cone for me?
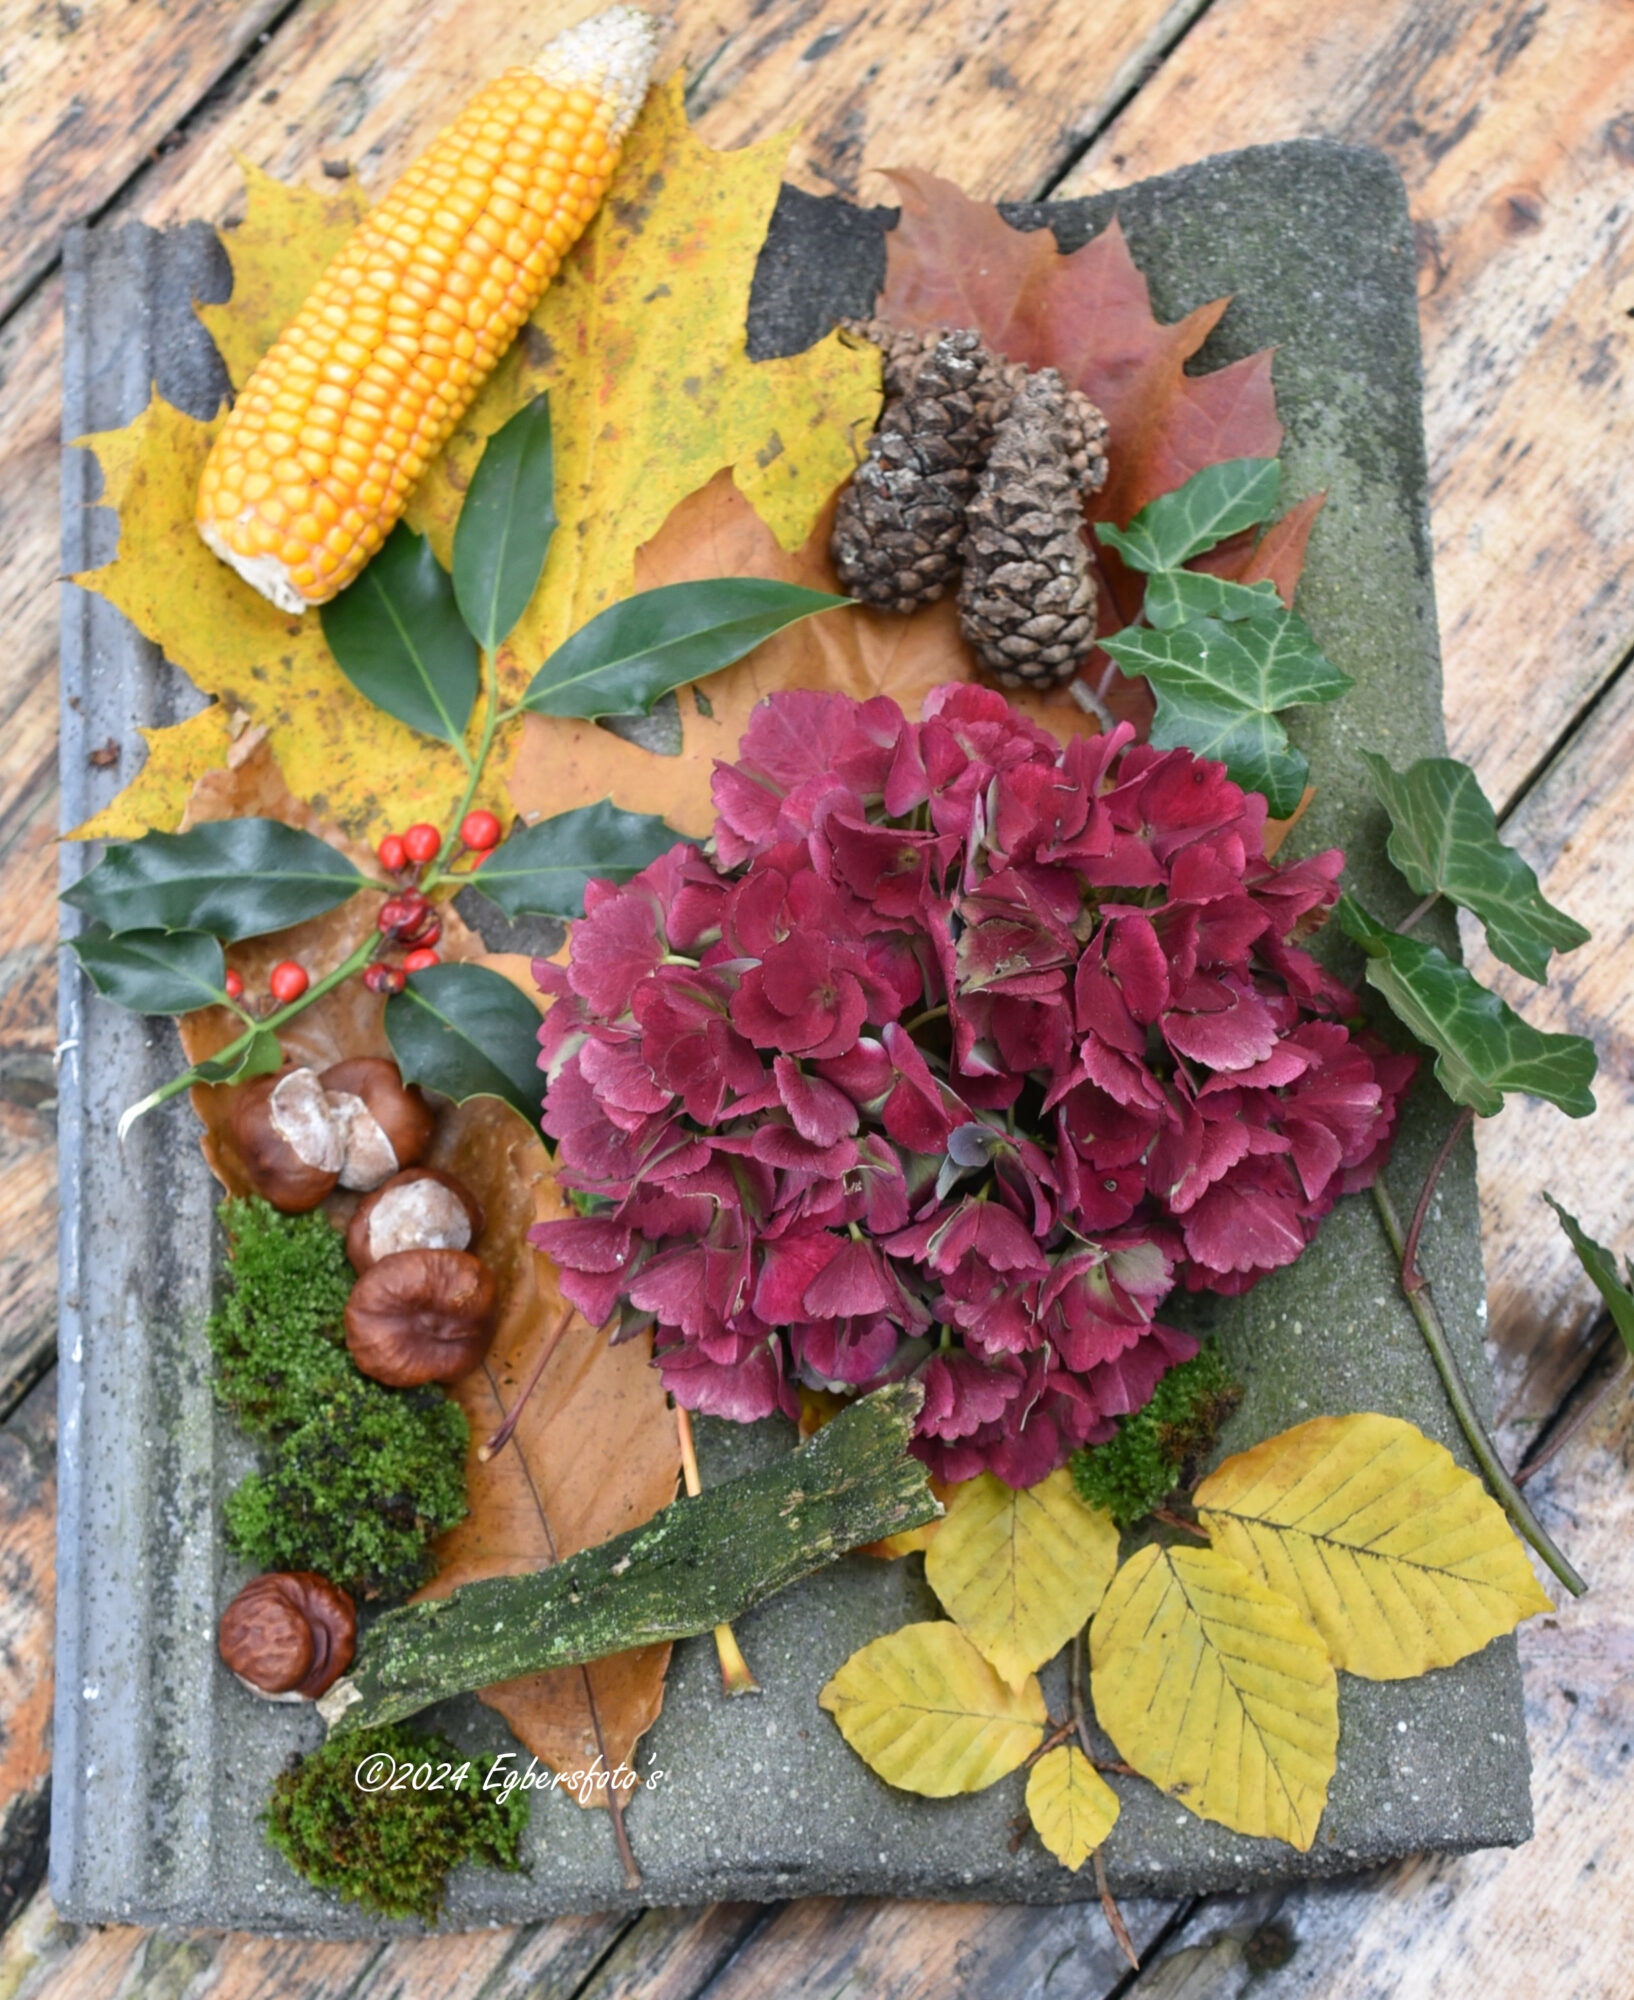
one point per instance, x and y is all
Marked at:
(897, 531)
(1027, 600)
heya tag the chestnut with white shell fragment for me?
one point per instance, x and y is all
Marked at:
(302, 1135)
(388, 1123)
(418, 1209)
(289, 1635)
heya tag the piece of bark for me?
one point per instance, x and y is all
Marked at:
(696, 1565)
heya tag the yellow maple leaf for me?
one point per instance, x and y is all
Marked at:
(1398, 1557)
(1020, 1572)
(157, 796)
(1217, 1690)
(642, 342)
(1070, 1804)
(922, 1708)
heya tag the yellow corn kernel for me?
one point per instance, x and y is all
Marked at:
(313, 466)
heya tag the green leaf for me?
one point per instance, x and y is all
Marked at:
(1220, 500)
(1174, 595)
(631, 653)
(467, 1032)
(1219, 688)
(1601, 1267)
(542, 870)
(236, 877)
(153, 972)
(505, 525)
(1444, 839)
(1483, 1047)
(398, 637)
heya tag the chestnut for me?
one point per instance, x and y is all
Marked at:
(418, 1209)
(292, 1145)
(421, 1316)
(289, 1635)
(387, 1123)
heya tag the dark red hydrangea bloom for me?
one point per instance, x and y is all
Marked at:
(959, 1054)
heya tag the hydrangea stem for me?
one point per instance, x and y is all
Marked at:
(735, 1675)
(1508, 1494)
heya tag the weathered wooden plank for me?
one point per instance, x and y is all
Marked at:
(665, 1955)
(1510, 122)
(86, 92)
(1554, 1918)
(28, 1501)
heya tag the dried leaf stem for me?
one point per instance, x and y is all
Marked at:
(1080, 1722)
(1507, 1493)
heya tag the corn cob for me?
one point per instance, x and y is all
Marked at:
(314, 465)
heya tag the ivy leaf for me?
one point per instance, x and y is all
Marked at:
(1483, 1047)
(1399, 1557)
(922, 1708)
(1601, 1267)
(238, 878)
(1220, 500)
(1175, 595)
(1219, 688)
(1070, 1804)
(1020, 1572)
(542, 870)
(1444, 839)
(503, 533)
(467, 1032)
(1217, 1690)
(398, 637)
(631, 653)
(153, 972)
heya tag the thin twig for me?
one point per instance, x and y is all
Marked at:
(736, 1678)
(1563, 1437)
(1452, 1380)
(1173, 1520)
(1052, 1742)
(1412, 1278)
(1114, 1916)
(513, 1415)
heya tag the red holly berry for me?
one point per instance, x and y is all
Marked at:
(402, 913)
(422, 842)
(235, 986)
(480, 831)
(288, 982)
(427, 931)
(393, 854)
(387, 979)
(417, 961)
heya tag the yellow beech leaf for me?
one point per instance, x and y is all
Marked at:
(1398, 1557)
(1071, 1805)
(641, 341)
(925, 1710)
(1021, 1572)
(1217, 1690)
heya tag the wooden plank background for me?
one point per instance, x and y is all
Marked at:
(1512, 122)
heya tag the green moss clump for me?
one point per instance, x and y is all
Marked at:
(359, 1490)
(277, 1334)
(1163, 1445)
(391, 1849)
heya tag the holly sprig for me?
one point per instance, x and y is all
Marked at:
(420, 643)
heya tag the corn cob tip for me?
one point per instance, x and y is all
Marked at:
(612, 54)
(264, 573)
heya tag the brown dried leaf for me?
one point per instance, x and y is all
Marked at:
(594, 1453)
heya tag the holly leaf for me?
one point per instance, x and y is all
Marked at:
(467, 1032)
(1219, 688)
(595, 1449)
(1483, 1047)
(504, 529)
(542, 870)
(237, 878)
(1444, 839)
(629, 655)
(1021, 1571)
(1220, 500)
(922, 1708)
(1217, 1689)
(397, 636)
(1070, 1804)
(1387, 1546)
(1174, 596)
(1603, 1274)
(153, 972)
